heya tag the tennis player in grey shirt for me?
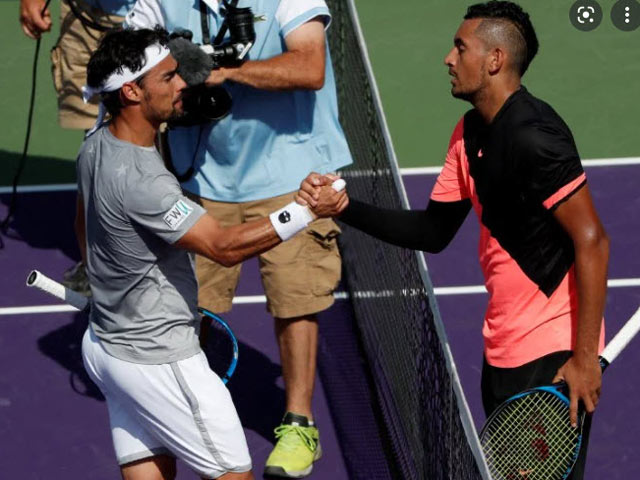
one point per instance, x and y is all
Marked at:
(144, 289)
(137, 232)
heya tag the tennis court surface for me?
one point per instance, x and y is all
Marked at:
(53, 422)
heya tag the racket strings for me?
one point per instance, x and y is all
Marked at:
(540, 456)
(531, 438)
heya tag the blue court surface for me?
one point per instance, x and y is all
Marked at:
(53, 421)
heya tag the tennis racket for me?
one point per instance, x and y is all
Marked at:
(220, 345)
(530, 435)
(68, 296)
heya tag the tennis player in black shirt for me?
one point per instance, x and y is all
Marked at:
(543, 250)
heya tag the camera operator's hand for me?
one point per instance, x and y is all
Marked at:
(216, 77)
(32, 18)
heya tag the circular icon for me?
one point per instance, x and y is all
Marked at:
(284, 217)
(625, 15)
(585, 15)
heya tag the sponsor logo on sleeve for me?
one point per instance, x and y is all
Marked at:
(177, 214)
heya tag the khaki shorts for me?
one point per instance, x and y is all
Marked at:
(298, 276)
(69, 59)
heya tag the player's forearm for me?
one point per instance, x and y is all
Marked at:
(429, 230)
(288, 71)
(239, 242)
(231, 245)
(592, 256)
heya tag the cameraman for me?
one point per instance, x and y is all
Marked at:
(82, 23)
(282, 125)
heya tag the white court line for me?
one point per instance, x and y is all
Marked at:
(410, 171)
(37, 309)
(257, 299)
(261, 299)
(61, 187)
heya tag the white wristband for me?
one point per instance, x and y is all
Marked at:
(294, 218)
(290, 219)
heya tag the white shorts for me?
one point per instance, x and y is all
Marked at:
(181, 409)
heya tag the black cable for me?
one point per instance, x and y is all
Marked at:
(87, 22)
(4, 226)
(191, 170)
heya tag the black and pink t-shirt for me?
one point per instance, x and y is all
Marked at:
(516, 171)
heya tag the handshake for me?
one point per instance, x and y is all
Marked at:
(324, 195)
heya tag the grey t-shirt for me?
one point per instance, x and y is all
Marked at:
(144, 289)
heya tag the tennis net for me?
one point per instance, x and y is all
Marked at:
(422, 411)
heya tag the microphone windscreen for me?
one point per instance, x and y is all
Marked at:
(194, 65)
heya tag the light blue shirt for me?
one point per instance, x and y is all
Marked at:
(271, 140)
(113, 7)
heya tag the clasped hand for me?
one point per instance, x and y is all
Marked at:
(317, 194)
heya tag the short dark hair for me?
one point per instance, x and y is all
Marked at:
(520, 32)
(120, 48)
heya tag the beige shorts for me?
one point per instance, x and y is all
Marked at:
(299, 276)
(69, 59)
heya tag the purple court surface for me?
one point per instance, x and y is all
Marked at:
(53, 421)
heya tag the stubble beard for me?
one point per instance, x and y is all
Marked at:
(176, 114)
(158, 116)
(469, 94)
(461, 95)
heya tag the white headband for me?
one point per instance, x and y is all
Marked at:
(153, 55)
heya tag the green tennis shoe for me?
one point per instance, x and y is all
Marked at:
(297, 447)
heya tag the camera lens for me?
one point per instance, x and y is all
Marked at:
(240, 22)
(214, 103)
